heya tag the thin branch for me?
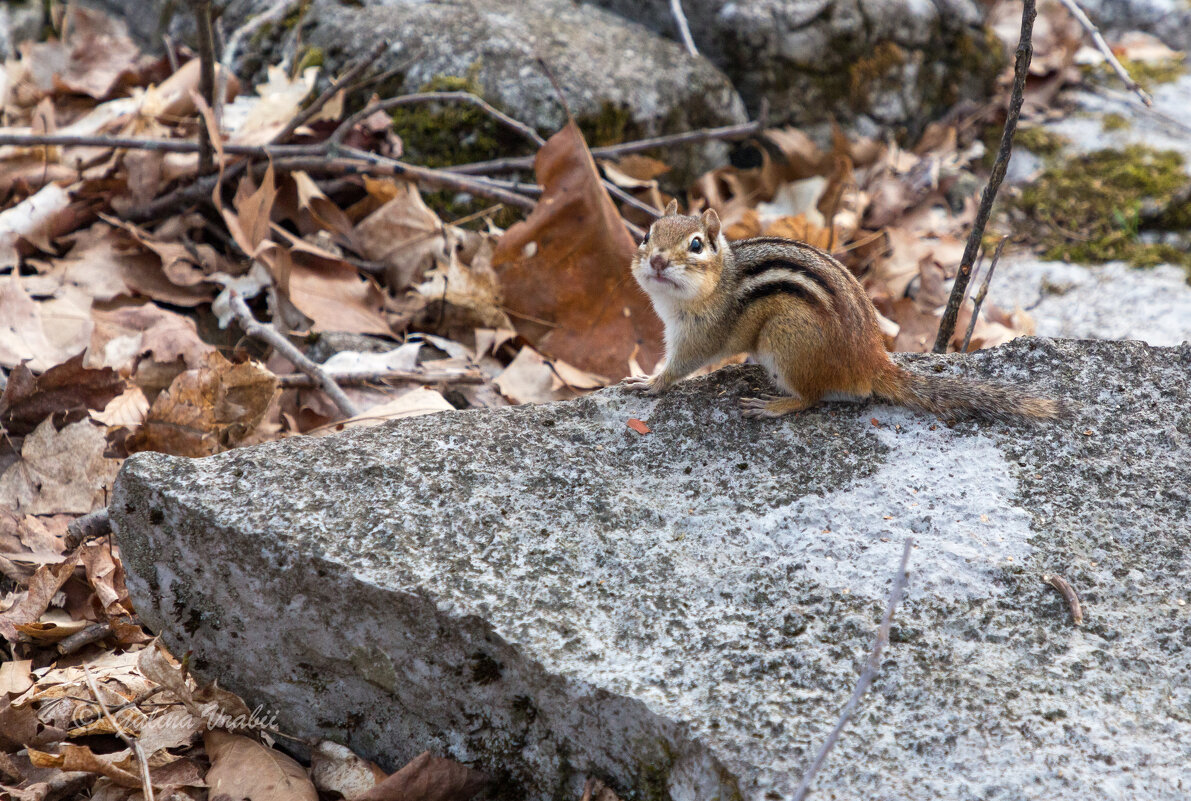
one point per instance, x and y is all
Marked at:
(1025, 51)
(684, 30)
(436, 97)
(727, 132)
(206, 45)
(88, 527)
(1106, 51)
(349, 75)
(81, 639)
(300, 380)
(871, 668)
(270, 335)
(981, 293)
(146, 779)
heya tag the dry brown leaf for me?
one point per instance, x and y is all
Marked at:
(243, 769)
(43, 586)
(803, 230)
(206, 410)
(335, 769)
(318, 212)
(413, 403)
(40, 334)
(60, 472)
(120, 767)
(429, 778)
(336, 297)
(174, 97)
(530, 378)
(53, 626)
(564, 271)
(16, 677)
(34, 220)
(127, 409)
(404, 234)
(66, 390)
(127, 336)
(471, 293)
(102, 56)
(256, 120)
(21, 728)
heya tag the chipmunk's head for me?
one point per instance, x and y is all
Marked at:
(682, 257)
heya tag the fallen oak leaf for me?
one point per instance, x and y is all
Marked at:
(120, 767)
(60, 472)
(43, 586)
(244, 769)
(67, 390)
(564, 271)
(207, 409)
(428, 778)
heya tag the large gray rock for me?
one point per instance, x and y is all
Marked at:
(879, 64)
(1169, 20)
(544, 592)
(620, 79)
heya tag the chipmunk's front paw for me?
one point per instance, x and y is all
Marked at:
(643, 383)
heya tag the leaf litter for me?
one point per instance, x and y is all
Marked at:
(116, 335)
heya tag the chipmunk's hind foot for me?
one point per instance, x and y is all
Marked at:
(772, 406)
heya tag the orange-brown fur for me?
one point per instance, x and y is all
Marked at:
(800, 313)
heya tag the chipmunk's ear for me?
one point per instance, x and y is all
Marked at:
(672, 209)
(711, 222)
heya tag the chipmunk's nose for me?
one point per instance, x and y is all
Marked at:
(658, 263)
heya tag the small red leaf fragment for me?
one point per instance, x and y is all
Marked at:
(637, 425)
(875, 422)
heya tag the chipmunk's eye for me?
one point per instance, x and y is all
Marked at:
(645, 241)
(696, 245)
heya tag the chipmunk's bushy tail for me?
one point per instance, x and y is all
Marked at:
(954, 397)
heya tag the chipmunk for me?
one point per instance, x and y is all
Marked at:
(801, 314)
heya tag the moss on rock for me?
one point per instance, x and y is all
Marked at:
(1088, 208)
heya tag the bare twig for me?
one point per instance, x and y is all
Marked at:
(684, 30)
(81, 639)
(1025, 51)
(727, 132)
(871, 668)
(336, 86)
(1106, 51)
(436, 97)
(1068, 593)
(381, 376)
(981, 293)
(268, 334)
(88, 527)
(146, 779)
(206, 45)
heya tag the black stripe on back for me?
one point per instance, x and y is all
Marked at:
(770, 288)
(785, 265)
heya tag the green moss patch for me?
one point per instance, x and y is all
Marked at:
(1115, 122)
(1088, 208)
(443, 134)
(1038, 141)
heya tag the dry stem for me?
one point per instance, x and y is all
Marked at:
(981, 293)
(871, 668)
(270, 335)
(146, 780)
(381, 376)
(1106, 51)
(684, 30)
(1025, 51)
